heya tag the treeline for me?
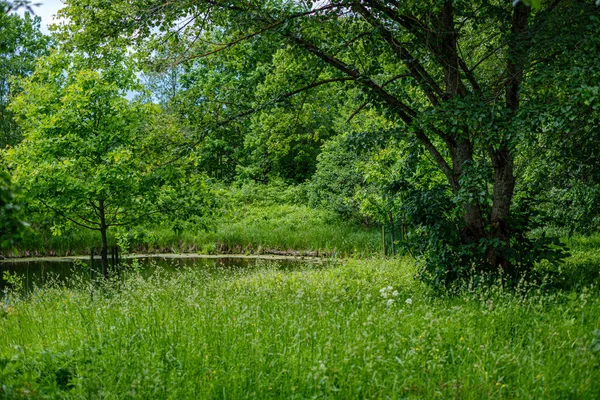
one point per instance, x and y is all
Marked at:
(470, 127)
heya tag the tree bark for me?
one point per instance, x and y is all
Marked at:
(447, 50)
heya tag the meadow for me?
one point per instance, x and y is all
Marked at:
(465, 130)
(357, 329)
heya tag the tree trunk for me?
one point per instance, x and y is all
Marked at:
(461, 148)
(473, 231)
(103, 229)
(502, 159)
(504, 185)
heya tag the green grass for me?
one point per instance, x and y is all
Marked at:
(583, 264)
(242, 229)
(365, 329)
(290, 227)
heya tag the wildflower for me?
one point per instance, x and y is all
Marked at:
(390, 302)
(408, 301)
(395, 294)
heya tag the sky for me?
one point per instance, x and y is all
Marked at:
(46, 10)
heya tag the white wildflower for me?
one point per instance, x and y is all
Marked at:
(408, 301)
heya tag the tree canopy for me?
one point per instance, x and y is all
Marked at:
(458, 80)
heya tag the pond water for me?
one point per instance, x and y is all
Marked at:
(36, 272)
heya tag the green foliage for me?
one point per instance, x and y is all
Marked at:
(291, 228)
(93, 158)
(314, 332)
(252, 218)
(432, 73)
(560, 158)
(21, 42)
(10, 225)
(337, 177)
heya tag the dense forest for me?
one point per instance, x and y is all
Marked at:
(448, 150)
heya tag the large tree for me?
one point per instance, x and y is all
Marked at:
(454, 76)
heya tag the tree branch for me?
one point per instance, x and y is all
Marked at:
(315, 84)
(424, 80)
(63, 215)
(363, 105)
(273, 24)
(403, 111)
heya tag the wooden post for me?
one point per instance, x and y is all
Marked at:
(392, 233)
(91, 265)
(113, 259)
(117, 262)
(383, 239)
(91, 273)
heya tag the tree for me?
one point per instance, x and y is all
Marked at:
(452, 75)
(21, 42)
(92, 157)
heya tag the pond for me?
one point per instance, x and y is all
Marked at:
(38, 271)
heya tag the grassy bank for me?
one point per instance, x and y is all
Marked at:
(361, 330)
(244, 229)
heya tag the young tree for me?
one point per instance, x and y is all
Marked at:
(91, 156)
(452, 75)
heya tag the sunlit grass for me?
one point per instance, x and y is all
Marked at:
(365, 329)
(247, 229)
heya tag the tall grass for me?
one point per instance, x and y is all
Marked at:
(241, 229)
(583, 264)
(360, 330)
(291, 227)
